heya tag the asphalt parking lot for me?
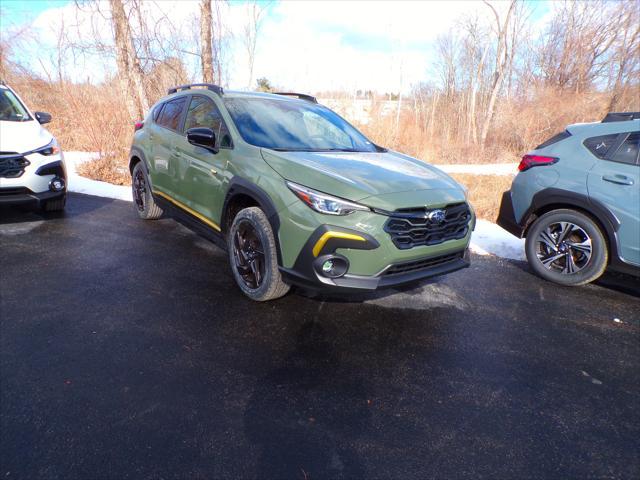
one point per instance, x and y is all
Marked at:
(126, 351)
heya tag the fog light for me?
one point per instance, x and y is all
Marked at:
(327, 266)
(332, 265)
(57, 184)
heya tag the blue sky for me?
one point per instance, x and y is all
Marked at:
(19, 11)
(386, 46)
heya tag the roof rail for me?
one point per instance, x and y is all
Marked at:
(210, 86)
(620, 116)
(301, 96)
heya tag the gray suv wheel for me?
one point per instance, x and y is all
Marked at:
(566, 247)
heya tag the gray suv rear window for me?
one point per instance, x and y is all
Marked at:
(555, 139)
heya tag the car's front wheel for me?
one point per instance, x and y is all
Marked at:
(566, 247)
(253, 257)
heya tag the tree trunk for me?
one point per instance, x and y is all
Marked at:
(206, 49)
(502, 56)
(474, 95)
(432, 117)
(129, 70)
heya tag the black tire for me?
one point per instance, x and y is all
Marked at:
(576, 243)
(143, 200)
(250, 234)
(56, 205)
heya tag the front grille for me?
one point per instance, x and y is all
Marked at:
(14, 191)
(422, 264)
(12, 164)
(410, 228)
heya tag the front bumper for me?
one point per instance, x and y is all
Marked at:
(33, 186)
(355, 248)
(25, 197)
(392, 276)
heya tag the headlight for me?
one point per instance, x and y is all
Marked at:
(51, 149)
(323, 203)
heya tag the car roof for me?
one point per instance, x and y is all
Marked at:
(238, 94)
(599, 128)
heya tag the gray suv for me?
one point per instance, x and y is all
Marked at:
(576, 200)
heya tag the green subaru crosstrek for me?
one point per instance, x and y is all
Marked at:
(296, 194)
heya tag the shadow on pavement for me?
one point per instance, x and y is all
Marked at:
(23, 214)
(627, 284)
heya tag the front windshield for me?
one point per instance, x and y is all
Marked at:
(294, 125)
(11, 110)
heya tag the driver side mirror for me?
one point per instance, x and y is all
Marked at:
(202, 137)
(43, 117)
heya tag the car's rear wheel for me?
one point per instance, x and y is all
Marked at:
(253, 257)
(56, 205)
(142, 198)
(566, 247)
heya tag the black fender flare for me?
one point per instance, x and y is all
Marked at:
(241, 186)
(137, 152)
(563, 198)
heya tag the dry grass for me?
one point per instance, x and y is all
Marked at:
(94, 118)
(107, 168)
(485, 192)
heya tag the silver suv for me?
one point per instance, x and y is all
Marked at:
(32, 169)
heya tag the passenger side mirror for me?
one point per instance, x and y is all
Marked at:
(202, 137)
(43, 117)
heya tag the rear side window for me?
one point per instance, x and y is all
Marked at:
(156, 112)
(601, 145)
(627, 152)
(555, 139)
(171, 113)
(204, 113)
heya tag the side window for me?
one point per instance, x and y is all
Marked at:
(171, 113)
(204, 113)
(600, 146)
(627, 152)
(156, 112)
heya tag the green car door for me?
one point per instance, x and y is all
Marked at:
(200, 179)
(163, 133)
(615, 181)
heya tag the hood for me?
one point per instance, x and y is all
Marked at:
(22, 137)
(356, 176)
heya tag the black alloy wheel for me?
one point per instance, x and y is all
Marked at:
(139, 189)
(248, 254)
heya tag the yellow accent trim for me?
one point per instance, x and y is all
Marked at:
(189, 210)
(329, 235)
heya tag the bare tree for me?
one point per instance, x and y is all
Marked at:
(501, 62)
(206, 41)
(129, 70)
(251, 29)
(625, 60)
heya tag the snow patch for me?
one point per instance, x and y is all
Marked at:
(79, 184)
(481, 169)
(490, 239)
